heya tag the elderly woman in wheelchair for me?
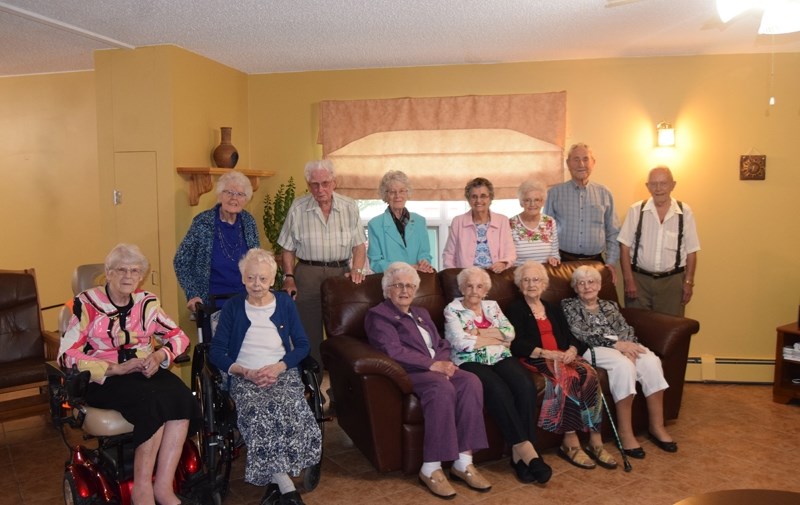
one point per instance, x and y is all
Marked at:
(111, 334)
(259, 341)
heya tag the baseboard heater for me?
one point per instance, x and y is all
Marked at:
(719, 370)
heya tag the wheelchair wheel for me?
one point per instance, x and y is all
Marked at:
(311, 476)
(216, 436)
(71, 496)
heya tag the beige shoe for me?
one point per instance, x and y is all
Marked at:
(602, 456)
(473, 479)
(438, 485)
(576, 456)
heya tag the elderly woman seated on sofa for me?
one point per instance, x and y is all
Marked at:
(480, 336)
(451, 399)
(544, 341)
(599, 324)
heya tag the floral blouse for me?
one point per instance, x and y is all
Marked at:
(594, 328)
(536, 244)
(459, 323)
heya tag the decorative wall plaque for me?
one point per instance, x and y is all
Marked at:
(753, 167)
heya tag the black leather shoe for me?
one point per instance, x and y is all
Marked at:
(271, 496)
(540, 470)
(637, 453)
(523, 471)
(664, 446)
(291, 498)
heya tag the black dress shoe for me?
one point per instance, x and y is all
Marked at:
(664, 446)
(540, 470)
(523, 471)
(271, 496)
(637, 453)
(291, 498)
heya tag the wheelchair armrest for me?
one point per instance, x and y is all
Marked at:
(182, 357)
(310, 364)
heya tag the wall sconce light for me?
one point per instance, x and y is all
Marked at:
(666, 134)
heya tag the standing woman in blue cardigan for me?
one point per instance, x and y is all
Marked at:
(206, 262)
(259, 342)
(397, 234)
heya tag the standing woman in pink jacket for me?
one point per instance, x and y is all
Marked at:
(479, 237)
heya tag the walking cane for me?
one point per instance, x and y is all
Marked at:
(626, 463)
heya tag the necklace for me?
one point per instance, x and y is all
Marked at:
(539, 312)
(231, 251)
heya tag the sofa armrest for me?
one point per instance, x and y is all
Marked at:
(52, 341)
(663, 334)
(363, 359)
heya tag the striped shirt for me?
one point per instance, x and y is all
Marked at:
(535, 244)
(587, 223)
(659, 240)
(306, 233)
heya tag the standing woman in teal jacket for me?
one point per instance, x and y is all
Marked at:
(207, 260)
(397, 234)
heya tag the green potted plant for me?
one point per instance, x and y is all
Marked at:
(275, 209)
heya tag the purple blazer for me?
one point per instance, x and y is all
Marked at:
(396, 334)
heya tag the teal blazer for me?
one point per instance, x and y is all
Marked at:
(386, 245)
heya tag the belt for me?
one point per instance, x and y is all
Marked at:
(578, 257)
(327, 264)
(659, 275)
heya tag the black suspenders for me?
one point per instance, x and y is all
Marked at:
(638, 236)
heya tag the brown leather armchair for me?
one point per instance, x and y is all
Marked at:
(24, 344)
(374, 402)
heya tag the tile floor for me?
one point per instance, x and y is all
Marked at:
(730, 437)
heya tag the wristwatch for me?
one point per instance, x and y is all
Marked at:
(287, 276)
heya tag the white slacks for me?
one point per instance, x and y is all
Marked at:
(623, 373)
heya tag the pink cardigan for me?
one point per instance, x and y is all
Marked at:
(459, 251)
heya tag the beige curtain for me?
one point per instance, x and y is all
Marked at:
(441, 143)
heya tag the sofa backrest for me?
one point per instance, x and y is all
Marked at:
(20, 319)
(345, 305)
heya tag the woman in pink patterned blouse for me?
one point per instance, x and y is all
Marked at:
(111, 334)
(535, 235)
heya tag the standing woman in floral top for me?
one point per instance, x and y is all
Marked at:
(480, 336)
(534, 233)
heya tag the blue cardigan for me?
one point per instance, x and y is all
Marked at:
(386, 244)
(233, 324)
(193, 258)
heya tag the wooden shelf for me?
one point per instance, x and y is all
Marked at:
(200, 179)
(786, 370)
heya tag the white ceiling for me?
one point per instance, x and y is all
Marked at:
(266, 36)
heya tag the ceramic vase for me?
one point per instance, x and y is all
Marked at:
(225, 155)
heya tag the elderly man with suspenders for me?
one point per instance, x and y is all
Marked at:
(658, 249)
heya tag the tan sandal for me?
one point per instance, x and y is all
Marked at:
(577, 457)
(602, 456)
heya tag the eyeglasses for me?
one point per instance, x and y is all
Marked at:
(586, 283)
(400, 286)
(659, 184)
(123, 271)
(316, 186)
(480, 197)
(529, 201)
(531, 280)
(399, 192)
(263, 279)
(233, 194)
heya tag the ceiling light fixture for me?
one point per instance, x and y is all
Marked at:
(665, 134)
(780, 16)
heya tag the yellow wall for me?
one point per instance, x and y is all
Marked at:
(50, 191)
(172, 102)
(748, 268)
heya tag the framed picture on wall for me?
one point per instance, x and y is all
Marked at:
(752, 167)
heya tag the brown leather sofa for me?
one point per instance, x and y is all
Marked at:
(374, 402)
(24, 344)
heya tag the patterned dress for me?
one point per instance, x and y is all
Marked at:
(571, 397)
